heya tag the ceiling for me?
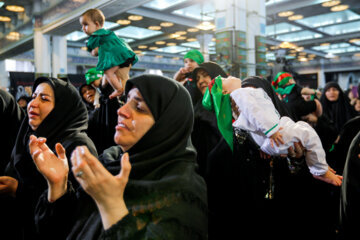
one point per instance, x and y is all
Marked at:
(322, 33)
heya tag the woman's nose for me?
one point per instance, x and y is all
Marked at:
(123, 111)
(33, 103)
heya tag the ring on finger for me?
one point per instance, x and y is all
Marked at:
(79, 174)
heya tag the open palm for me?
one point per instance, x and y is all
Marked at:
(54, 168)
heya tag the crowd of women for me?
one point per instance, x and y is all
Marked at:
(156, 166)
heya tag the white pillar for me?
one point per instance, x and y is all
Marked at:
(59, 56)
(321, 75)
(255, 26)
(42, 55)
(4, 79)
(204, 40)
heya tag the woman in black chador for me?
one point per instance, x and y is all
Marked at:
(146, 187)
(56, 114)
(336, 105)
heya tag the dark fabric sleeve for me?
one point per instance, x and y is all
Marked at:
(350, 192)
(54, 220)
(160, 226)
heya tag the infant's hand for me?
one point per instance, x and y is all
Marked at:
(230, 84)
(277, 138)
(330, 177)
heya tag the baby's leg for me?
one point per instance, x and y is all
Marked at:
(114, 81)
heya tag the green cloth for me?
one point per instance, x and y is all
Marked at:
(215, 100)
(281, 79)
(286, 90)
(92, 74)
(113, 51)
(195, 55)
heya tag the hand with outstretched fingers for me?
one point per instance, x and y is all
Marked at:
(54, 168)
(107, 190)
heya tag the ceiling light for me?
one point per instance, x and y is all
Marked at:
(159, 56)
(302, 53)
(84, 48)
(123, 22)
(299, 49)
(330, 3)
(285, 14)
(181, 32)
(171, 44)
(176, 58)
(5, 19)
(193, 30)
(153, 48)
(142, 46)
(181, 38)
(357, 55)
(339, 8)
(13, 36)
(303, 59)
(295, 17)
(166, 24)
(312, 55)
(206, 26)
(191, 39)
(174, 35)
(135, 17)
(354, 40)
(324, 44)
(138, 51)
(160, 42)
(155, 28)
(286, 45)
(15, 8)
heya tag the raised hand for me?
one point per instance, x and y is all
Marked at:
(54, 168)
(107, 190)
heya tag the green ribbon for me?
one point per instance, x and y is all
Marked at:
(214, 100)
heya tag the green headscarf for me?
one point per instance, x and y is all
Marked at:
(92, 74)
(195, 55)
(215, 100)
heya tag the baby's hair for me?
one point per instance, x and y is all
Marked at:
(95, 15)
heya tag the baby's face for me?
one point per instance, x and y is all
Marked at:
(88, 26)
(230, 84)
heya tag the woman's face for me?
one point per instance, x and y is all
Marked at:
(202, 80)
(134, 120)
(332, 94)
(190, 64)
(42, 103)
(357, 105)
(88, 93)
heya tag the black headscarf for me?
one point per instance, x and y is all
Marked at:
(66, 124)
(89, 106)
(168, 139)
(258, 82)
(164, 160)
(212, 68)
(339, 111)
